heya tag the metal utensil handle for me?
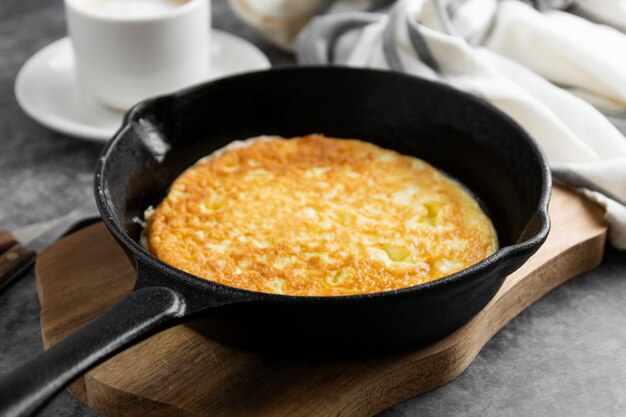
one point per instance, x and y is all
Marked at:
(13, 262)
(7, 240)
(28, 388)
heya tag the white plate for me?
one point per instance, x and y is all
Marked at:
(47, 90)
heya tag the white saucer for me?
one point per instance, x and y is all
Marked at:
(47, 90)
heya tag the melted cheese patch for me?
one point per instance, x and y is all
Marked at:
(317, 216)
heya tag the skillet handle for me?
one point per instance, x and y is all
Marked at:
(28, 388)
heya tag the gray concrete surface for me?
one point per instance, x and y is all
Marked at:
(564, 356)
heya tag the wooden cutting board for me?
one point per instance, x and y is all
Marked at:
(180, 373)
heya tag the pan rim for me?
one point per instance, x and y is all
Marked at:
(478, 270)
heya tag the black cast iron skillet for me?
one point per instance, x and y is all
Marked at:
(465, 137)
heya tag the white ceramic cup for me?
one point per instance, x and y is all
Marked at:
(129, 50)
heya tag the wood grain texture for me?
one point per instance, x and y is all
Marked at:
(180, 373)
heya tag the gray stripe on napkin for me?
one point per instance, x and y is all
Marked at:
(421, 47)
(574, 179)
(317, 43)
(390, 46)
(445, 17)
(453, 7)
(543, 5)
(359, 6)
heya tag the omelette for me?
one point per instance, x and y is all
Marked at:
(317, 216)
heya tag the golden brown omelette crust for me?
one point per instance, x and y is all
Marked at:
(317, 216)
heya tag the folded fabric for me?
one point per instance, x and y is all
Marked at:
(610, 12)
(280, 21)
(563, 48)
(583, 147)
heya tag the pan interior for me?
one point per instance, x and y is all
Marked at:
(460, 135)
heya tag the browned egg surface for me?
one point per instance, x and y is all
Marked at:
(317, 216)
